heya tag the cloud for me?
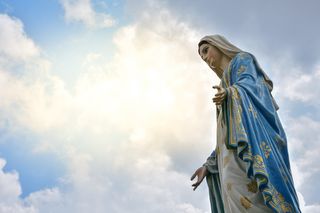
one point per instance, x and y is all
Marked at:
(258, 26)
(307, 208)
(46, 200)
(10, 191)
(302, 138)
(126, 131)
(10, 188)
(299, 86)
(15, 45)
(83, 11)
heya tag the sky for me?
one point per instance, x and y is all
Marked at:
(106, 105)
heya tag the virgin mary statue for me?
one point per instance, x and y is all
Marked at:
(249, 170)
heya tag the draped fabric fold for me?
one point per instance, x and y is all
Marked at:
(214, 184)
(255, 132)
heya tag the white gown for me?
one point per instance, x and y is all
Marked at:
(238, 192)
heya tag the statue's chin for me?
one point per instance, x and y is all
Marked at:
(211, 65)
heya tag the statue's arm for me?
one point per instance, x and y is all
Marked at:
(211, 164)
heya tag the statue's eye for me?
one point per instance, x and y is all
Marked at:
(205, 50)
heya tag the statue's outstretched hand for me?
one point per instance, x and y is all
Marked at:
(200, 173)
(220, 95)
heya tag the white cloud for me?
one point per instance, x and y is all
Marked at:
(10, 192)
(9, 184)
(46, 200)
(302, 87)
(127, 131)
(303, 140)
(308, 208)
(83, 11)
(15, 45)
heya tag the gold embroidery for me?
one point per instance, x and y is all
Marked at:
(286, 207)
(241, 69)
(236, 94)
(278, 202)
(259, 167)
(245, 202)
(217, 150)
(229, 186)
(236, 131)
(226, 160)
(258, 162)
(231, 138)
(249, 151)
(252, 186)
(238, 112)
(266, 149)
(251, 109)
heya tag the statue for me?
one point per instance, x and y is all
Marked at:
(249, 170)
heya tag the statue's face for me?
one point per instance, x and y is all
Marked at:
(211, 55)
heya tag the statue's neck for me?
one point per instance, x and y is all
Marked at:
(225, 60)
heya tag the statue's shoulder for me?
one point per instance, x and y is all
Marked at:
(242, 62)
(241, 59)
(243, 56)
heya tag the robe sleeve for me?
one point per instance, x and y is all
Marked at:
(211, 164)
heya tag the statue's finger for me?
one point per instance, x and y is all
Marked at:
(217, 98)
(195, 184)
(193, 176)
(219, 93)
(216, 87)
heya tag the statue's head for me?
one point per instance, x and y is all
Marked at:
(210, 54)
(213, 49)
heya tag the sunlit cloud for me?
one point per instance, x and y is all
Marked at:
(15, 45)
(128, 122)
(82, 11)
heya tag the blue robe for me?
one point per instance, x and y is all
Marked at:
(255, 132)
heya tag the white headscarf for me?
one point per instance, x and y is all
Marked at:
(222, 44)
(230, 50)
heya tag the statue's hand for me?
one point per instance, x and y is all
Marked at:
(200, 173)
(220, 95)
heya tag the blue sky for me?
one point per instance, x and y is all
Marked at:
(110, 99)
